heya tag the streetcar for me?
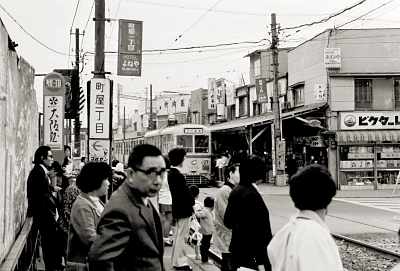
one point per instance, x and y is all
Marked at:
(195, 139)
(123, 147)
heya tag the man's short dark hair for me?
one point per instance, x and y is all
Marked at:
(312, 188)
(41, 154)
(231, 168)
(140, 152)
(194, 190)
(92, 176)
(176, 156)
(114, 162)
(251, 170)
(209, 202)
(66, 147)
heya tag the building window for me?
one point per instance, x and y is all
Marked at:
(257, 67)
(298, 95)
(363, 94)
(182, 103)
(397, 93)
(242, 106)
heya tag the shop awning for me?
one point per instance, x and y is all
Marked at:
(267, 118)
(377, 136)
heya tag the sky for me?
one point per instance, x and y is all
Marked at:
(175, 24)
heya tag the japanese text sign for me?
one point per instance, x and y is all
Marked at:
(369, 120)
(99, 150)
(261, 90)
(130, 48)
(99, 108)
(332, 58)
(53, 110)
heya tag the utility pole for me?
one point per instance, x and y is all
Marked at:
(77, 145)
(99, 38)
(151, 108)
(276, 110)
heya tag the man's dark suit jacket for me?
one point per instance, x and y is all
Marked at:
(182, 200)
(129, 235)
(42, 205)
(248, 217)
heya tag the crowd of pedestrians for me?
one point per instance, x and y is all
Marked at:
(80, 232)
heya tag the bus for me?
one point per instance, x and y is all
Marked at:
(195, 139)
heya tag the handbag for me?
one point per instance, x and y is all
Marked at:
(194, 236)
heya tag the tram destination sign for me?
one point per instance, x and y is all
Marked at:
(193, 131)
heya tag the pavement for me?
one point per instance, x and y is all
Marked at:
(365, 191)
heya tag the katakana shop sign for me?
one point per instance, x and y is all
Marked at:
(99, 150)
(369, 120)
(99, 108)
(53, 110)
(130, 48)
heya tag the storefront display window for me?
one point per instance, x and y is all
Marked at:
(359, 166)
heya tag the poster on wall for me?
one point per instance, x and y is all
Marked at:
(368, 120)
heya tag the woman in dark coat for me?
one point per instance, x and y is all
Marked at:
(248, 217)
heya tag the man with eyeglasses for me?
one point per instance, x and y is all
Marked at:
(182, 208)
(42, 206)
(129, 233)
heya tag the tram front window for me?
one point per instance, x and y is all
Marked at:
(186, 142)
(201, 143)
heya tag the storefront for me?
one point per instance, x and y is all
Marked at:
(368, 147)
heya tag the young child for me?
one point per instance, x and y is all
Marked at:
(206, 219)
(197, 207)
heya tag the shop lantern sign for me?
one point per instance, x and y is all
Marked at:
(369, 120)
(53, 110)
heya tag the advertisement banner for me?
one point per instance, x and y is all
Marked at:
(261, 90)
(99, 150)
(211, 93)
(332, 58)
(130, 48)
(377, 120)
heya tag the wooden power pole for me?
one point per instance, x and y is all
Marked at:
(279, 167)
(77, 131)
(99, 38)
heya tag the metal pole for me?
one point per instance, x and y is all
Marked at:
(99, 39)
(123, 137)
(77, 145)
(276, 110)
(151, 108)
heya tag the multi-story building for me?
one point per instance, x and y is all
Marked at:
(356, 72)
(198, 106)
(171, 105)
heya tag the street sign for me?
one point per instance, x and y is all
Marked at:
(99, 108)
(53, 110)
(99, 150)
(130, 48)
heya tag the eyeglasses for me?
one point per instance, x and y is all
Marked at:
(152, 171)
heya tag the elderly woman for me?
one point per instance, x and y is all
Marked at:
(93, 181)
(305, 242)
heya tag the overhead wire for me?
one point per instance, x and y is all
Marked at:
(31, 35)
(327, 18)
(70, 30)
(198, 20)
(365, 14)
(87, 22)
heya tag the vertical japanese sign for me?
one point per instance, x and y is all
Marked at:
(130, 48)
(261, 90)
(53, 110)
(99, 144)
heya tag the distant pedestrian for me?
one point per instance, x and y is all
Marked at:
(93, 181)
(43, 207)
(69, 197)
(197, 208)
(248, 217)
(223, 235)
(206, 220)
(182, 208)
(165, 207)
(129, 233)
(305, 242)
